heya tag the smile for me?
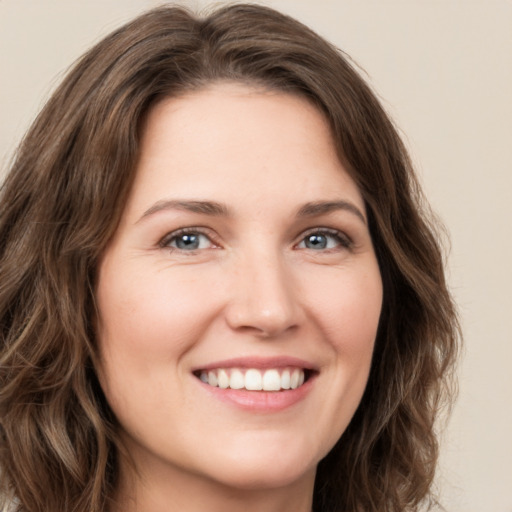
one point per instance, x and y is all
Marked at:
(253, 379)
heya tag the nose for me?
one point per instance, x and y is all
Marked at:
(263, 298)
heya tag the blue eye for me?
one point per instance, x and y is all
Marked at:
(188, 241)
(321, 240)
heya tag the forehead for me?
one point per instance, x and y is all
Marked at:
(231, 138)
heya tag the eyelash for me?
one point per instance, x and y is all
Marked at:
(174, 235)
(342, 240)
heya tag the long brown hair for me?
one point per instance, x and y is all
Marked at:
(61, 203)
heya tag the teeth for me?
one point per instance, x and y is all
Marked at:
(294, 380)
(285, 379)
(237, 380)
(223, 379)
(271, 380)
(253, 379)
(212, 379)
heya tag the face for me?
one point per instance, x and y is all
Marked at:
(240, 296)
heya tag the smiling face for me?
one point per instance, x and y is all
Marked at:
(240, 296)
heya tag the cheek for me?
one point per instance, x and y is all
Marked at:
(146, 325)
(349, 310)
(145, 314)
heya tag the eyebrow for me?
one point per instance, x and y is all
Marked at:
(215, 209)
(324, 207)
(203, 207)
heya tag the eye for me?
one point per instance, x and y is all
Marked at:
(323, 239)
(187, 240)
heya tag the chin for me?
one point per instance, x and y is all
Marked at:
(260, 469)
(268, 476)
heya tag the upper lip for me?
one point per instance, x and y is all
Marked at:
(259, 362)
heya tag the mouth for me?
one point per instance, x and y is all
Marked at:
(255, 379)
(258, 384)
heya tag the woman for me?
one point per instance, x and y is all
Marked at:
(220, 286)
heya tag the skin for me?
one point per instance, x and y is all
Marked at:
(254, 287)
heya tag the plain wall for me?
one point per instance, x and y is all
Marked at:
(444, 71)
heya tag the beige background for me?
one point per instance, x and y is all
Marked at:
(444, 69)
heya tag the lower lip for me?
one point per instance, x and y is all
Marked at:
(260, 401)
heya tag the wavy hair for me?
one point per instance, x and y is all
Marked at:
(61, 203)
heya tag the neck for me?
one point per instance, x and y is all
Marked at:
(171, 490)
